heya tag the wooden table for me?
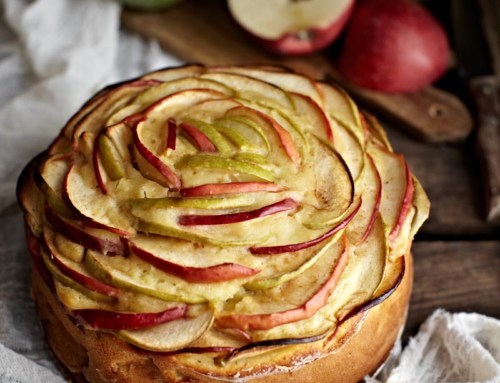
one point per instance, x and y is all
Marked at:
(457, 254)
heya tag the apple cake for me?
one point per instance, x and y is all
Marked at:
(208, 224)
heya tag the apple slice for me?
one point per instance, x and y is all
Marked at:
(100, 211)
(171, 74)
(216, 273)
(293, 27)
(110, 158)
(172, 179)
(104, 269)
(60, 276)
(398, 186)
(165, 89)
(172, 335)
(278, 249)
(278, 207)
(110, 320)
(285, 139)
(218, 203)
(305, 310)
(370, 183)
(211, 162)
(100, 240)
(317, 121)
(262, 284)
(201, 141)
(251, 88)
(230, 188)
(50, 180)
(252, 133)
(74, 270)
(172, 134)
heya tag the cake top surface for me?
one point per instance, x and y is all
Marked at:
(219, 208)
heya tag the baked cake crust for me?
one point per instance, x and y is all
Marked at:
(221, 224)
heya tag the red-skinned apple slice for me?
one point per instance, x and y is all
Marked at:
(170, 176)
(75, 270)
(172, 335)
(278, 249)
(110, 320)
(292, 27)
(172, 134)
(281, 206)
(217, 273)
(304, 311)
(201, 141)
(98, 171)
(98, 211)
(100, 240)
(284, 136)
(230, 188)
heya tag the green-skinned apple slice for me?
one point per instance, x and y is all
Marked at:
(230, 188)
(251, 88)
(111, 159)
(172, 335)
(58, 275)
(104, 269)
(69, 249)
(398, 190)
(100, 211)
(247, 128)
(97, 239)
(273, 128)
(230, 130)
(111, 320)
(216, 273)
(216, 141)
(165, 89)
(322, 278)
(285, 205)
(262, 284)
(208, 203)
(203, 161)
(74, 270)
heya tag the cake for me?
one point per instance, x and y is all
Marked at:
(221, 224)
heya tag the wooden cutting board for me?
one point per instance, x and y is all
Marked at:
(203, 31)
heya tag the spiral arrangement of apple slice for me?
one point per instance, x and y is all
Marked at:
(216, 208)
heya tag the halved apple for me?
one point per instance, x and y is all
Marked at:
(292, 27)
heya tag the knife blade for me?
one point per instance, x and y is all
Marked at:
(475, 67)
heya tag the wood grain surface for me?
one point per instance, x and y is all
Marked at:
(457, 276)
(203, 31)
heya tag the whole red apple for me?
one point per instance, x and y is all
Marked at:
(292, 27)
(393, 46)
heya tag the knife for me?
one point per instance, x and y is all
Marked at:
(475, 66)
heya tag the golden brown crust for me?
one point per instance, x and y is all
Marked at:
(101, 357)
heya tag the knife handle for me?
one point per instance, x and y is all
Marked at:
(486, 93)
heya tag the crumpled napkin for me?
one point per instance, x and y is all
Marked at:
(449, 348)
(54, 54)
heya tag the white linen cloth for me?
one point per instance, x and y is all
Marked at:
(54, 54)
